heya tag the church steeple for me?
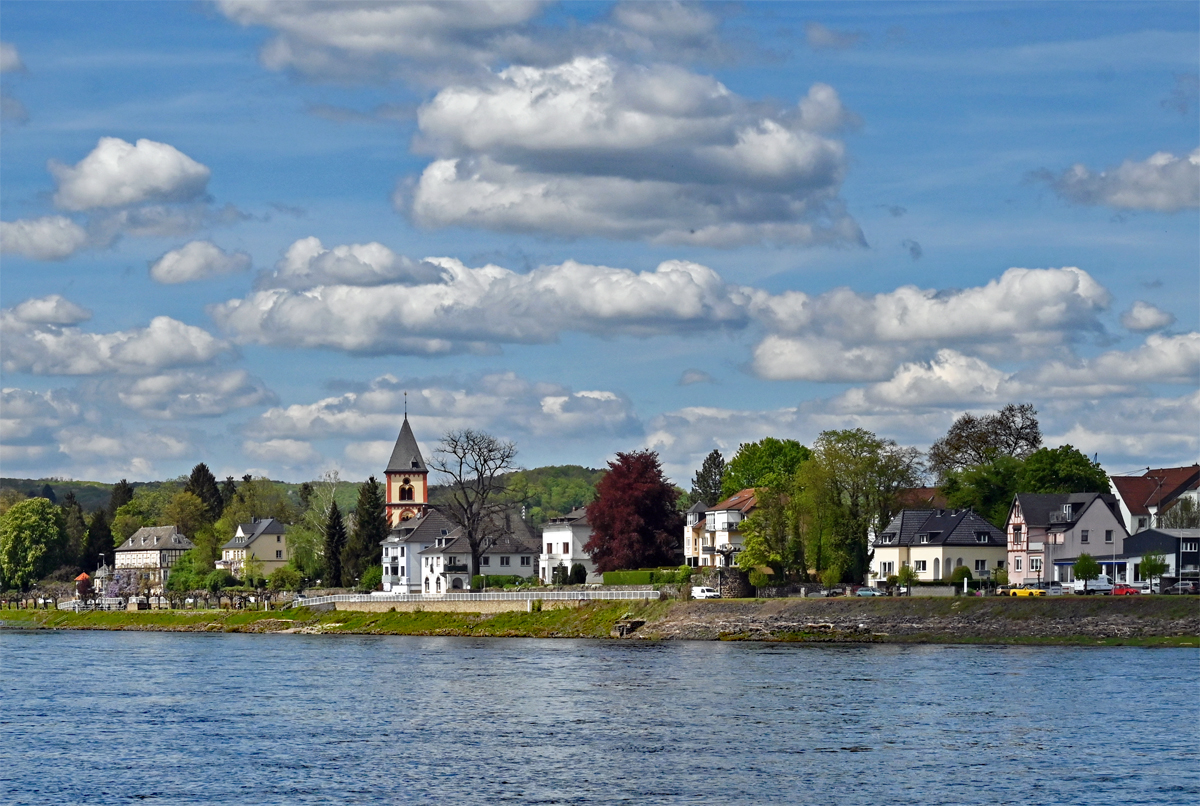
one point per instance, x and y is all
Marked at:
(407, 478)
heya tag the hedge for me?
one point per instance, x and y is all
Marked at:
(648, 576)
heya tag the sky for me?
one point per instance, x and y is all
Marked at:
(250, 233)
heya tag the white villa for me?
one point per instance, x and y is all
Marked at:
(152, 550)
(563, 540)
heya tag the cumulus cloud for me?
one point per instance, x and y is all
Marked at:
(820, 37)
(286, 452)
(117, 173)
(951, 378)
(10, 59)
(182, 394)
(597, 147)
(47, 238)
(50, 310)
(355, 40)
(844, 335)
(308, 264)
(693, 376)
(27, 416)
(1163, 183)
(472, 309)
(1160, 359)
(504, 403)
(1142, 317)
(1125, 431)
(45, 348)
(197, 260)
(666, 29)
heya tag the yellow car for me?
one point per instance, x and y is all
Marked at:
(1027, 592)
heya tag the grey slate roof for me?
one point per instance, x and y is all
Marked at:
(944, 527)
(406, 456)
(1044, 509)
(505, 544)
(699, 507)
(156, 538)
(426, 529)
(254, 530)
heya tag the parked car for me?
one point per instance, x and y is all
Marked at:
(1101, 584)
(1028, 590)
(864, 591)
(1126, 590)
(705, 593)
(1183, 587)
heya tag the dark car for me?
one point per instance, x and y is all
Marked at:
(1184, 588)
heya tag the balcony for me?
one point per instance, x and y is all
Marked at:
(455, 569)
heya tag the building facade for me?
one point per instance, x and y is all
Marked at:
(721, 537)
(264, 539)
(1144, 499)
(1046, 533)
(936, 542)
(150, 550)
(406, 479)
(563, 540)
(402, 566)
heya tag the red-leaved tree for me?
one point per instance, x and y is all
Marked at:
(634, 520)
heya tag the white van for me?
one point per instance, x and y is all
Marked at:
(705, 593)
(1101, 584)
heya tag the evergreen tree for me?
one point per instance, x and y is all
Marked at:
(99, 540)
(335, 541)
(48, 493)
(228, 490)
(122, 494)
(370, 529)
(634, 520)
(76, 527)
(203, 484)
(706, 486)
(306, 494)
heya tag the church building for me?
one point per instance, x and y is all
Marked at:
(407, 479)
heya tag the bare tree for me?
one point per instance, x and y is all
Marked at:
(1012, 431)
(474, 465)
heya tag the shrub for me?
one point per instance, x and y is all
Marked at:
(758, 579)
(959, 574)
(560, 575)
(578, 575)
(371, 579)
(285, 579)
(220, 579)
(627, 577)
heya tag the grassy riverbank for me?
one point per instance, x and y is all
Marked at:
(1133, 621)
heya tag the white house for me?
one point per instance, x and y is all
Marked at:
(402, 566)
(722, 537)
(693, 536)
(563, 540)
(1144, 499)
(152, 550)
(445, 566)
(935, 542)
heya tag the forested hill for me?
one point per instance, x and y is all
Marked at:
(552, 491)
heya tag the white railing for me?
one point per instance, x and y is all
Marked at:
(504, 596)
(104, 603)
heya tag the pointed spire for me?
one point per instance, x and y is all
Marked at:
(406, 456)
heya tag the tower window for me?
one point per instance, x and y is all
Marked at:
(406, 493)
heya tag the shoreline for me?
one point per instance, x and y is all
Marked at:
(1083, 621)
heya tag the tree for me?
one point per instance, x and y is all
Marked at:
(47, 492)
(478, 498)
(187, 512)
(1183, 514)
(770, 461)
(1087, 569)
(706, 485)
(1153, 566)
(98, 542)
(371, 579)
(32, 541)
(335, 541)
(959, 574)
(634, 520)
(578, 575)
(252, 571)
(203, 484)
(186, 574)
(1012, 431)
(987, 489)
(771, 535)
(1062, 470)
(285, 579)
(306, 494)
(228, 490)
(122, 494)
(76, 528)
(907, 576)
(370, 529)
(306, 539)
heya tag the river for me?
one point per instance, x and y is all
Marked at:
(183, 718)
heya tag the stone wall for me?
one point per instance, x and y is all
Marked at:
(457, 606)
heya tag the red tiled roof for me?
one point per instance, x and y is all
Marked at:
(922, 498)
(82, 577)
(743, 502)
(1155, 487)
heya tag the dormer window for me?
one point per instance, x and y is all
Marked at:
(924, 538)
(415, 465)
(444, 532)
(889, 538)
(981, 537)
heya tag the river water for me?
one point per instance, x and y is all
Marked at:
(179, 718)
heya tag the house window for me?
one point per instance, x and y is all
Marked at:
(1083, 536)
(1017, 564)
(889, 538)
(1108, 535)
(525, 561)
(402, 551)
(710, 521)
(924, 538)
(980, 565)
(566, 548)
(278, 538)
(887, 569)
(919, 565)
(999, 564)
(981, 537)
(505, 560)
(549, 548)
(485, 560)
(406, 490)
(1035, 563)
(278, 555)
(1189, 545)
(1017, 534)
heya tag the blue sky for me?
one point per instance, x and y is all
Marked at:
(239, 232)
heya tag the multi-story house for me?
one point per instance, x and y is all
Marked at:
(402, 567)
(722, 537)
(445, 566)
(935, 542)
(693, 536)
(1180, 548)
(563, 540)
(264, 539)
(1046, 533)
(1143, 499)
(151, 550)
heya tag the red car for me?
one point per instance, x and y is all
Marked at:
(1126, 590)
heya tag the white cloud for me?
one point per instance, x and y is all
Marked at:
(951, 378)
(181, 394)
(308, 264)
(50, 349)
(10, 59)
(803, 358)
(197, 260)
(474, 308)
(1143, 317)
(1129, 432)
(693, 376)
(27, 415)
(1161, 359)
(287, 452)
(820, 37)
(597, 147)
(365, 40)
(1164, 183)
(51, 310)
(822, 110)
(117, 173)
(47, 238)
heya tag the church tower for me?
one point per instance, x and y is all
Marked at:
(407, 479)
